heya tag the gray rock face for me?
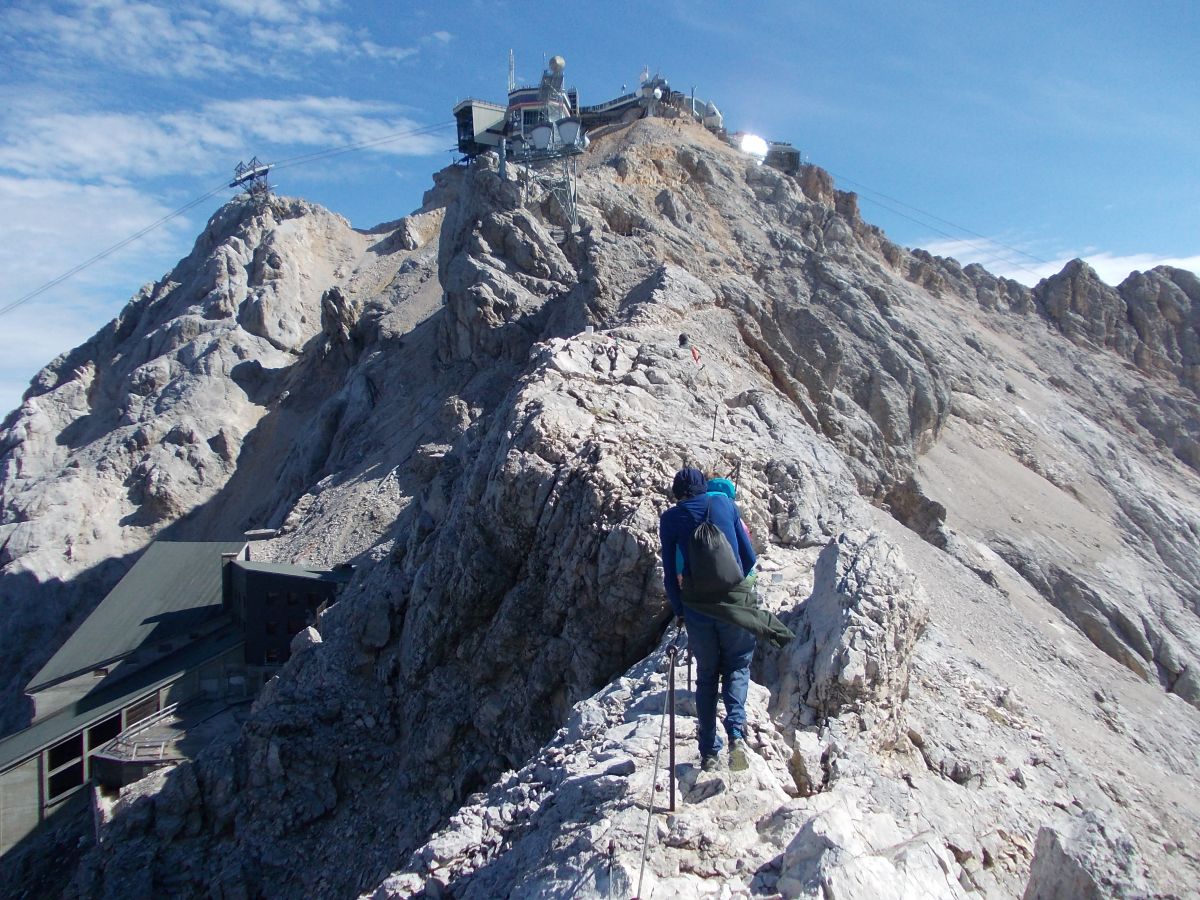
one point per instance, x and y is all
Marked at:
(975, 506)
(1151, 319)
(859, 627)
(1089, 859)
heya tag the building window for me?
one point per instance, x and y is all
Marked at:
(65, 751)
(103, 732)
(64, 763)
(65, 780)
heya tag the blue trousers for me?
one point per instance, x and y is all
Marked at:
(723, 652)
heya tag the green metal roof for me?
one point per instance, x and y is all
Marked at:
(107, 698)
(173, 589)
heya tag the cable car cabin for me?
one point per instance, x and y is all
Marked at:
(480, 126)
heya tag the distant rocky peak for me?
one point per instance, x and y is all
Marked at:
(1152, 319)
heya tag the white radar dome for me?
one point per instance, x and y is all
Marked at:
(557, 64)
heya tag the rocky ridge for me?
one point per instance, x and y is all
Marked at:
(155, 409)
(975, 504)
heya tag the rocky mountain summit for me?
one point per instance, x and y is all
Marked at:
(976, 505)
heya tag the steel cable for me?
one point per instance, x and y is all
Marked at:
(989, 250)
(282, 164)
(9, 307)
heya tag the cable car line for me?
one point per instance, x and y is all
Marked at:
(103, 254)
(361, 145)
(285, 163)
(990, 248)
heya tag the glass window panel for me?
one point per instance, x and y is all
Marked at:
(103, 732)
(61, 782)
(65, 751)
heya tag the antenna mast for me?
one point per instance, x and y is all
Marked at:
(512, 72)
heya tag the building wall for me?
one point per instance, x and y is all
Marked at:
(20, 811)
(50, 700)
(276, 607)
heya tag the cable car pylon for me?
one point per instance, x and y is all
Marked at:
(253, 177)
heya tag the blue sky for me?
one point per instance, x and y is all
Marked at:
(1042, 131)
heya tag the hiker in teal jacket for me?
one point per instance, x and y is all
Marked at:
(723, 650)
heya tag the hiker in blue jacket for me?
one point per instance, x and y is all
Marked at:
(723, 650)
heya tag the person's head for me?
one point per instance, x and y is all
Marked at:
(722, 486)
(688, 483)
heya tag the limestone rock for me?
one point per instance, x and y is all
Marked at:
(1089, 858)
(1150, 319)
(859, 627)
(214, 343)
(305, 639)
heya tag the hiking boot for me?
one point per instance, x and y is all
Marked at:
(710, 764)
(737, 755)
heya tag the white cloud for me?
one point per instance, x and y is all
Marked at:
(319, 122)
(98, 145)
(136, 36)
(309, 37)
(119, 146)
(52, 222)
(376, 51)
(275, 10)
(442, 36)
(1000, 259)
(165, 40)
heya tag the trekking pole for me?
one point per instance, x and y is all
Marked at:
(672, 652)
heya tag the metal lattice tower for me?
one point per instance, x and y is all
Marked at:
(252, 176)
(554, 143)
